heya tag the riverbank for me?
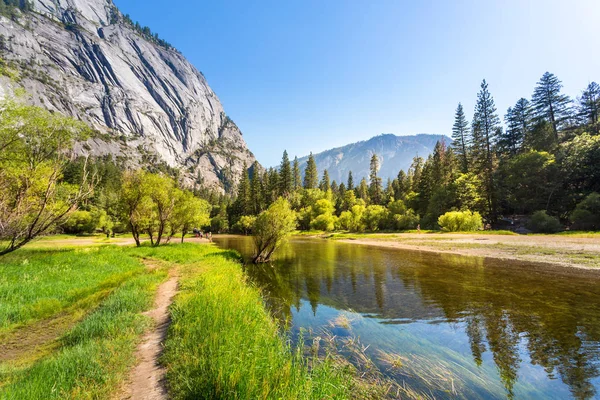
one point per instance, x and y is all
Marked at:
(581, 251)
(106, 342)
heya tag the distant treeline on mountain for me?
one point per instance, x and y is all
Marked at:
(394, 153)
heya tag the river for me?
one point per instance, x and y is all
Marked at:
(446, 326)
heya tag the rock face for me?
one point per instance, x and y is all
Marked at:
(82, 58)
(394, 153)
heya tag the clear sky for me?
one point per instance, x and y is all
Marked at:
(308, 75)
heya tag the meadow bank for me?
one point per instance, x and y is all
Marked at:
(222, 342)
(576, 250)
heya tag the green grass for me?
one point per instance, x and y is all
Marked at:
(36, 284)
(94, 356)
(222, 342)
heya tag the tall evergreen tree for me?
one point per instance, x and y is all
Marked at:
(414, 172)
(402, 187)
(485, 129)
(549, 103)
(518, 125)
(256, 193)
(350, 185)
(325, 184)
(461, 138)
(375, 185)
(285, 176)
(273, 187)
(243, 193)
(311, 175)
(297, 175)
(589, 104)
(362, 191)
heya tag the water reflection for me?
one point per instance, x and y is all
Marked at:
(512, 326)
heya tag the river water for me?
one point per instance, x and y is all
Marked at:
(455, 327)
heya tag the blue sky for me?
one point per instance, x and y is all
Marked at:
(310, 75)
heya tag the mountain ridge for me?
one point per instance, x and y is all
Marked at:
(394, 153)
(85, 59)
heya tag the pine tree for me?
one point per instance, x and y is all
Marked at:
(256, 193)
(589, 104)
(285, 176)
(243, 193)
(325, 183)
(460, 137)
(297, 175)
(350, 185)
(375, 186)
(362, 191)
(414, 172)
(518, 125)
(402, 187)
(549, 104)
(485, 129)
(311, 175)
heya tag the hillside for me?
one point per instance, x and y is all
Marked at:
(83, 58)
(394, 153)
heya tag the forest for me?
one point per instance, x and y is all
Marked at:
(540, 172)
(541, 167)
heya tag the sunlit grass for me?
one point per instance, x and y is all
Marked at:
(222, 342)
(36, 284)
(93, 357)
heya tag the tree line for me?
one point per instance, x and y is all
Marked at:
(544, 164)
(44, 190)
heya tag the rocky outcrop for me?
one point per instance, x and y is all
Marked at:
(395, 153)
(82, 58)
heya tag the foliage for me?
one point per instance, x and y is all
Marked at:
(460, 221)
(245, 224)
(541, 222)
(375, 217)
(587, 213)
(80, 222)
(271, 228)
(34, 198)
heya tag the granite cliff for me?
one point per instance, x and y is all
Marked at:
(83, 58)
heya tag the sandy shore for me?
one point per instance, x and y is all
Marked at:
(566, 251)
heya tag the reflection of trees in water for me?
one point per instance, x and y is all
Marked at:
(557, 318)
(556, 315)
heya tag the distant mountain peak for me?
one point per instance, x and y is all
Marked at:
(395, 153)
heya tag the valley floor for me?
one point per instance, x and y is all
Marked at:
(581, 251)
(79, 319)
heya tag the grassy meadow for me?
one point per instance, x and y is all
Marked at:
(71, 320)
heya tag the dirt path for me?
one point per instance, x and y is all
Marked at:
(583, 253)
(147, 378)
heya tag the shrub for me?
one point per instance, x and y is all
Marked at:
(587, 213)
(80, 222)
(408, 220)
(324, 222)
(375, 217)
(460, 221)
(543, 223)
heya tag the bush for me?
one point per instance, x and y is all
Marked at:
(408, 220)
(541, 222)
(80, 222)
(460, 221)
(587, 213)
(375, 217)
(324, 222)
